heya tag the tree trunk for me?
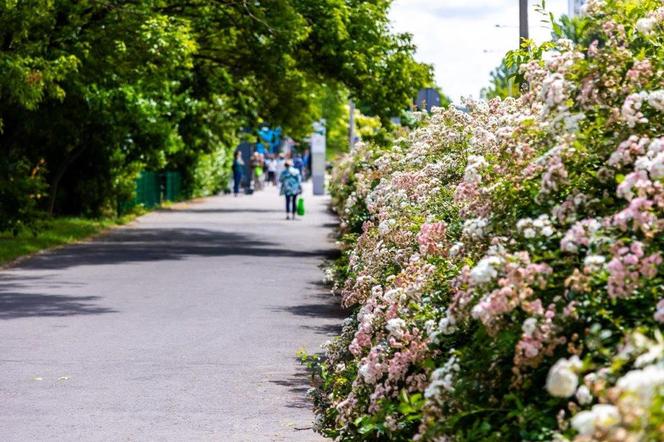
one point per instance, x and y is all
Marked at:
(55, 182)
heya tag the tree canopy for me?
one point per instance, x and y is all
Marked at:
(93, 91)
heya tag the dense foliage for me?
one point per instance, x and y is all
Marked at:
(504, 264)
(92, 92)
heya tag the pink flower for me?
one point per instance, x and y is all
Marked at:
(627, 267)
(636, 182)
(628, 151)
(659, 314)
(432, 238)
(639, 213)
(515, 289)
(579, 235)
(554, 175)
(640, 72)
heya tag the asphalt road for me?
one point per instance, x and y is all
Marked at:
(182, 326)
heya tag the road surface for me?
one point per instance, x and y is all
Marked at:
(182, 326)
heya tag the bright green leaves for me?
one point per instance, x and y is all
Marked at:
(29, 72)
(27, 80)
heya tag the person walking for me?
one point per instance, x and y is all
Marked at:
(306, 159)
(238, 171)
(298, 163)
(256, 164)
(280, 166)
(271, 166)
(291, 187)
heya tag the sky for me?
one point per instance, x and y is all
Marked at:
(460, 37)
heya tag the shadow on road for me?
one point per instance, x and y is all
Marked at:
(327, 330)
(298, 383)
(140, 245)
(220, 210)
(10, 282)
(320, 303)
(24, 305)
(322, 310)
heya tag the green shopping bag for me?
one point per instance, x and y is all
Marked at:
(300, 206)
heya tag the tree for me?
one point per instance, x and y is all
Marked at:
(94, 92)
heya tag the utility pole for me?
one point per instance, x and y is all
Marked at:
(523, 21)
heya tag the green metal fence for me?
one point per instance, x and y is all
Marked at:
(172, 186)
(153, 188)
(148, 189)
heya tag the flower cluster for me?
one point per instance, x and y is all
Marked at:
(623, 407)
(503, 263)
(530, 228)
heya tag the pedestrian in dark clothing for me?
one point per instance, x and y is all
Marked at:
(238, 171)
(291, 187)
(298, 163)
(306, 159)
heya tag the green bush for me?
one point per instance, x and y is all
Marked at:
(505, 267)
(22, 187)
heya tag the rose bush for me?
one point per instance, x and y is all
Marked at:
(504, 264)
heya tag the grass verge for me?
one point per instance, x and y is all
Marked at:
(55, 232)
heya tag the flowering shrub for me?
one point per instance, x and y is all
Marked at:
(504, 264)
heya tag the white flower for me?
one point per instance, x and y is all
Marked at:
(642, 383)
(370, 376)
(656, 99)
(393, 295)
(523, 223)
(592, 7)
(385, 226)
(584, 423)
(484, 271)
(645, 25)
(583, 395)
(529, 326)
(474, 228)
(601, 415)
(475, 164)
(656, 167)
(443, 378)
(456, 249)
(376, 291)
(593, 263)
(571, 121)
(433, 389)
(396, 327)
(655, 350)
(447, 325)
(562, 380)
(531, 228)
(631, 109)
(367, 319)
(429, 327)
(553, 90)
(547, 231)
